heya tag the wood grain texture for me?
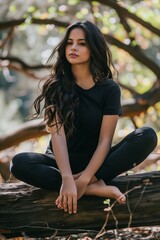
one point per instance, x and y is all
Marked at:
(29, 211)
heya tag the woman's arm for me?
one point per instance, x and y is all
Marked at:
(68, 192)
(108, 126)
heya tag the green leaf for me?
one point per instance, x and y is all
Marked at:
(107, 201)
(31, 9)
(52, 10)
(73, 2)
(79, 15)
(94, 3)
(134, 43)
(12, 8)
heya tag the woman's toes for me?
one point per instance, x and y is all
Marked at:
(122, 199)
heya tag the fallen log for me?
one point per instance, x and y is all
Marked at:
(29, 211)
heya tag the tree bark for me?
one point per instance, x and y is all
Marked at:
(28, 130)
(29, 211)
(17, 22)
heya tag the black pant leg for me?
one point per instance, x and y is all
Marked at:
(131, 151)
(36, 169)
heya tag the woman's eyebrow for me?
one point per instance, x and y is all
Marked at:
(80, 39)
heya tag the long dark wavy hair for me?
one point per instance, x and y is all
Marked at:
(58, 94)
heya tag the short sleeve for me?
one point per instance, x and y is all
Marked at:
(112, 101)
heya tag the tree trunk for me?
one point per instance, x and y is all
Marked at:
(29, 211)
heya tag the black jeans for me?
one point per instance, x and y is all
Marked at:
(40, 170)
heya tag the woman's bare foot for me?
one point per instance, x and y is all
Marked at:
(99, 188)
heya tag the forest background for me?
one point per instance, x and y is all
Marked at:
(28, 33)
(29, 30)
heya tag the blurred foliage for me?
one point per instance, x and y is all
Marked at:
(33, 44)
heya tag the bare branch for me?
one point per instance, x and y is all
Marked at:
(23, 64)
(28, 130)
(17, 22)
(113, 4)
(110, 3)
(24, 71)
(18, 65)
(135, 52)
(9, 36)
(126, 26)
(131, 90)
(36, 128)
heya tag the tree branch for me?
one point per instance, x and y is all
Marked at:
(8, 37)
(113, 4)
(28, 130)
(141, 102)
(17, 22)
(36, 128)
(131, 90)
(135, 52)
(110, 3)
(23, 64)
(126, 26)
(18, 65)
(27, 72)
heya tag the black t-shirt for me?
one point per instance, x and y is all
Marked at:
(101, 99)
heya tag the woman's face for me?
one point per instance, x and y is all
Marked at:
(77, 51)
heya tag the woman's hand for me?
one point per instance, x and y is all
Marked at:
(81, 185)
(77, 175)
(67, 199)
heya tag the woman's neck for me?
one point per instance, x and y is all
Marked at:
(83, 76)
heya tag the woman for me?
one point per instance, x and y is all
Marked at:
(82, 106)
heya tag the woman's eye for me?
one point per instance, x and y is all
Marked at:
(80, 44)
(83, 44)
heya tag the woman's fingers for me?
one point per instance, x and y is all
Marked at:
(64, 203)
(58, 202)
(74, 204)
(68, 203)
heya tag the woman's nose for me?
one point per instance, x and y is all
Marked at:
(74, 47)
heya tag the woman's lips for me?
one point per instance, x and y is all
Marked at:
(73, 55)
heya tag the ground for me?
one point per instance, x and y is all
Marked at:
(138, 233)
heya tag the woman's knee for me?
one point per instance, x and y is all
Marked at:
(149, 136)
(17, 163)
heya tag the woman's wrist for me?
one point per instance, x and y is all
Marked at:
(68, 176)
(85, 177)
